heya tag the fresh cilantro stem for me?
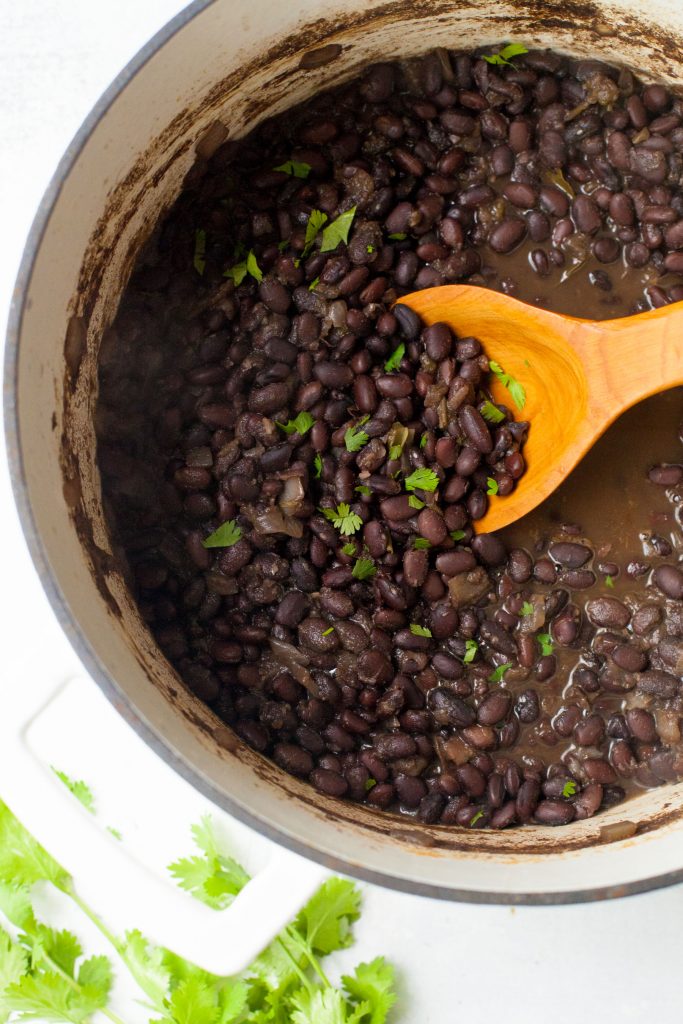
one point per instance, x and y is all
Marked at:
(305, 981)
(309, 954)
(96, 920)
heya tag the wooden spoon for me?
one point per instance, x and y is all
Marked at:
(579, 375)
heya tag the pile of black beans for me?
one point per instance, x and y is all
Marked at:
(353, 626)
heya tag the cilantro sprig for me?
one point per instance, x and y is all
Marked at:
(471, 648)
(301, 424)
(337, 231)
(504, 55)
(315, 221)
(355, 438)
(394, 360)
(44, 974)
(491, 412)
(569, 788)
(249, 265)
(422, 480)
(498, 674)
(364, 569)
(517, 391)
(224, 537)
(545, 642)
(78, 788)
(296, 168)
(343, 519)
(418, 630)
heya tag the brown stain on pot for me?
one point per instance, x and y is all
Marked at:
(588, 25)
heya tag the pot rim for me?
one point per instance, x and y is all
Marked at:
(69, 622)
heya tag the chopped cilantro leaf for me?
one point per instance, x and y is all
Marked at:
(362, 489)
(318, 463)
(491, 412)
(295, 168)
(395, 452)
(491, 485)
(475, 818)
(498, 673)
(283, 245)
(527, 608)
(423, 480)
(326, 632)
(457, 535)
(471, 648)
(337, 231)
(346, 521)
(301, 424)
(199, 261)
(398, 236)
(314, 283)
(419, 630)
(355, 439)
(609, 582)
(349, 549)
(394, 360)
(569, 788)
(370, 249)
(415, 502)
(421, 544)
(224, 537)
(423, 440)
(364, 569)
(370, 784)
(503, 57)
(545, 642)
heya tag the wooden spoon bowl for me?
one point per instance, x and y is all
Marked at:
(579, 375)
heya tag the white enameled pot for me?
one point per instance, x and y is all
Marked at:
(214, 72)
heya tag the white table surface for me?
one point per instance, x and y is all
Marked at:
(611, 962)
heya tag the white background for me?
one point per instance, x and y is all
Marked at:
(616, 962)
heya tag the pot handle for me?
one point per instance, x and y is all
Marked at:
(113, 882)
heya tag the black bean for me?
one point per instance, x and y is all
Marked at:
(669, 579)
(554, 812)
(660, 684)
(474, 426)
(527, 800)
(408, 321)
(507, 235)
(570, 554)
(489, 549)
(447, 709)
(330, 783)
(527, 706)
(586, 214)
(608, 611)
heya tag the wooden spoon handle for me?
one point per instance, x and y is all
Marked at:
(629, 359)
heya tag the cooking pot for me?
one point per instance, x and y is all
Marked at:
(215, 71)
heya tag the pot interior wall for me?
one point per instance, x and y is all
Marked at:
(235, 62)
